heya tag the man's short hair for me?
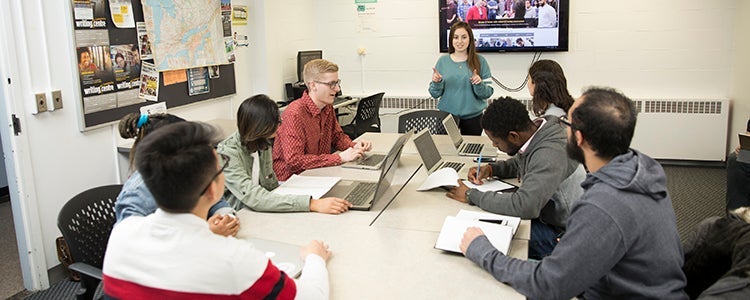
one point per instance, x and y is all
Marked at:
(315, 67)
(606, 118)
(177, 162)
(504, 115)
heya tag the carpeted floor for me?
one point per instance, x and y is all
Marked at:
(697, 193)
(11, 281)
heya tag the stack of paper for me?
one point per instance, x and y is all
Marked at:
(447, 177)
(315, 186)
(499, 229)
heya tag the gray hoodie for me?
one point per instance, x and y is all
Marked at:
(621, 241)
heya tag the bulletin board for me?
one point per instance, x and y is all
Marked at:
(117, 54)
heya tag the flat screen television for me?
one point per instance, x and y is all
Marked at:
(509, 25)
(303, 57)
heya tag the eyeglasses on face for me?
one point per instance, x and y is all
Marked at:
(224, 160)
(331, 84)
(565, 122)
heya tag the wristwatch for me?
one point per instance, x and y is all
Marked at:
(467, 195)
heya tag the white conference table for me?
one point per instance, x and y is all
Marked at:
(388, 252)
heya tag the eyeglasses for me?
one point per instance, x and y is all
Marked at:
(225, 162)
(331, 84)
(564, 122)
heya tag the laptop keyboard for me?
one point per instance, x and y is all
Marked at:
(361, 193)
(371, 160)
(472, 148)
(451, 164)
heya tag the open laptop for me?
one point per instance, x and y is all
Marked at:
(466, 149)
(284, 256)
(363, 194)
(744, 155)
(374, 161)
(431, 158)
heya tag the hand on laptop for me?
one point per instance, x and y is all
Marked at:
(318, 248)
(363, 145)
(224, 225)
(350, 154)
(484, 172)
(330, 205)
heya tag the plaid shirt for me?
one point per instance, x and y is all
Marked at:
(305, 138)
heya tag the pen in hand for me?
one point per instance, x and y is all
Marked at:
(479, 167)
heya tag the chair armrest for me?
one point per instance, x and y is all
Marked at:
(86, 269)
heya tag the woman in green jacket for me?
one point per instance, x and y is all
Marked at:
(250, 177)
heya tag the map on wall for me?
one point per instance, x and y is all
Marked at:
(185, 33)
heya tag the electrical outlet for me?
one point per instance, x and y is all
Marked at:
(41, 102)
(57, 99)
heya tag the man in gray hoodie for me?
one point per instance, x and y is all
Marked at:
(621, 240)
(551, 180)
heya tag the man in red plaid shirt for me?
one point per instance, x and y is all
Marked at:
(310, 129)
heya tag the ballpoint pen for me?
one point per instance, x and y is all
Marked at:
(479, 165)
(499, 222)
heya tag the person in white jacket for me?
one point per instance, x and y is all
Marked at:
(172, 254)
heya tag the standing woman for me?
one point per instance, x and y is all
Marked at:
(250, 177)
(457, 79)
(548, 89)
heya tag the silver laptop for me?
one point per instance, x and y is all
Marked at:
(744, 155)
(363, 194)
(374, 161)
(284, 256)
(431, 158)
(466, 149)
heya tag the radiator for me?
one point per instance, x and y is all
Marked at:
(694, 130)
(682, 129)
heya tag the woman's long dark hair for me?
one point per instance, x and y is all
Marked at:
(257, 120)
(550, 87)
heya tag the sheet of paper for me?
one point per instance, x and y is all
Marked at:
(454, 228)
(442, 177)
(489, 185)
(307, 185)
(512, 222)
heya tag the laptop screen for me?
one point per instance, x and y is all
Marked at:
(427, 149)
(389, 168)
(452, 129)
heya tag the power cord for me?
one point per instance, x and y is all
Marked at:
(534, 59)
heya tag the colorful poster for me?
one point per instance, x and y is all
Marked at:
(122, 13)
(149, 82)
(89, 14)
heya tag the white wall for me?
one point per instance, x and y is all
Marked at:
(740, 83)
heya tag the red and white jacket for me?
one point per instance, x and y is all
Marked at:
(176, 256)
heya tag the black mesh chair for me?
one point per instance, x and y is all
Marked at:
(367, 117)
(86, 222)
(421, 119)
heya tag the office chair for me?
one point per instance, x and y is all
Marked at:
(86, 222)
(420, 119)
(367, 117)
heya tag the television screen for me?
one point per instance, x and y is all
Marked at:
(508, 25)
(303, 57)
